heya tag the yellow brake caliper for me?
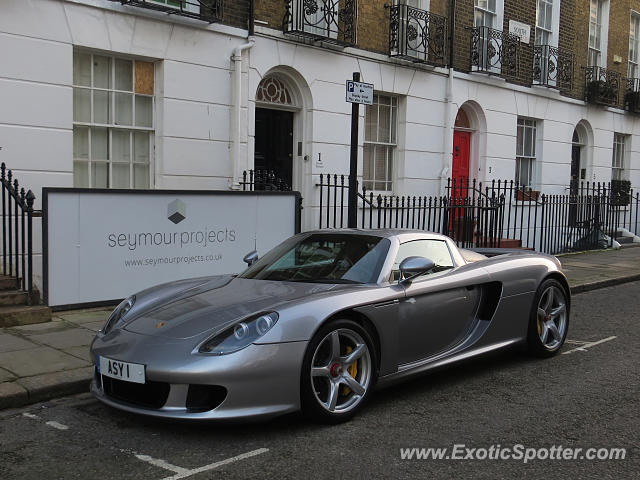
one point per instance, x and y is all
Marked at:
(353, 371)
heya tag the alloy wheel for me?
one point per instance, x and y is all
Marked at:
(552, 317)
(341, 370)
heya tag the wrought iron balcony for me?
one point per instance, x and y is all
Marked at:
(494, 52)
(327, 20)
(417, 35)
(206, 10)
(601, 86)
(552, 67)
(632, 95)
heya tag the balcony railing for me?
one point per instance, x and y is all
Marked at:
(206, 10)
(494, 52)
(552, 67)
(327, 20)
(417, 35)
(601, 86)
(632, 95)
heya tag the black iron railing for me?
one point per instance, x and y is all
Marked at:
(417, 35)
(329, 20)
(632, 95)
(263, 180)
(498, 214)
(552, 67)
(205, 10)
(17, 232)
(494, 52)
(602, 86)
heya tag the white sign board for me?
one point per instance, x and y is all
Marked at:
(520, 29)
(104, 245)
(358, 92)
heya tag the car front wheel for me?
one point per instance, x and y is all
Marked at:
(549, 321)
(339, 371)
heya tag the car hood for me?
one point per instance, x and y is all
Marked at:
(216, 304)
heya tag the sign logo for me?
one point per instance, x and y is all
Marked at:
(177, 211)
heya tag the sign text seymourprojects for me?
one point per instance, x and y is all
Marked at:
(147, 239)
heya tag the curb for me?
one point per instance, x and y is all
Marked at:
(610, 282)
(30, 390)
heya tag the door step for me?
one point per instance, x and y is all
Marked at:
(15, 315)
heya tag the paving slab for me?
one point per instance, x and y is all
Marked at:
(85, 316)
(11, 343)
(81, 352)
(6, 376)
(52, 326)
(72, 337)
(94, 326)
(12, 395)
(35, 361)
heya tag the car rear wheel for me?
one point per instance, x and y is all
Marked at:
(549, 321)
(339, 371)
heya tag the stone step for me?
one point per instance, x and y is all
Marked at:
(14, 315)
(13, 297)
(622, 240)
(7, 282)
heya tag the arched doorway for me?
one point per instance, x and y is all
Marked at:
(579, 142)
(461, 163)
(277, 101)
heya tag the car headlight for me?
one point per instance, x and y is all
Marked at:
(119, 313)
(240, 335)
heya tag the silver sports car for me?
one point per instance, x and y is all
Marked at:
(321, 320)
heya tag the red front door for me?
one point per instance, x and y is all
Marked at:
(460, 167)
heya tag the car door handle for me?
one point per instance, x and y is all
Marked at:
(470, 287)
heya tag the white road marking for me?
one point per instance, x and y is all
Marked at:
(211, 466)
(51, 423)
(57, 425)
(158, 462)
(181, 472)
(583, 347)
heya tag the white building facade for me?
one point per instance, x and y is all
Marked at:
(97, 94)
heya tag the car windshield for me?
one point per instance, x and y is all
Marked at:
(323, 258)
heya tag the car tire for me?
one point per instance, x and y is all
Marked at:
(334, 385)
(549, 319)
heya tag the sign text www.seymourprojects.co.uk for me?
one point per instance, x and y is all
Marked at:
(201, 238)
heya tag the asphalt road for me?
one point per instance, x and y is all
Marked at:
(584, 399)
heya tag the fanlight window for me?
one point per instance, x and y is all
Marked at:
(274, 90)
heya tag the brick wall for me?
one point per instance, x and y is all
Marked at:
(567, 42)
(373, 26)
(236, 13)
(523, 11)
(270, 11)
(462, 35)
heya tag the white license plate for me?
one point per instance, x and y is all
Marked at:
(129, 372)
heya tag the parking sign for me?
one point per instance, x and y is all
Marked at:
(358, 92)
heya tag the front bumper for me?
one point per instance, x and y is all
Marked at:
(261, 381)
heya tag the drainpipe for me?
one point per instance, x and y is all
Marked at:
(447, 155)
(237, 107)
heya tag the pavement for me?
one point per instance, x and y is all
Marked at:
(48, 360)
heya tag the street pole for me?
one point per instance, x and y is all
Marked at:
(352, 213)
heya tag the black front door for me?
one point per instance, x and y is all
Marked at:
(274, 143)
(575, 169)
(574, 184)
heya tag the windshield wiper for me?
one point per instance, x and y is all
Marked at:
(327, 280)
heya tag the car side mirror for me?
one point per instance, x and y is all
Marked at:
(250, 258)
(412, 267)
